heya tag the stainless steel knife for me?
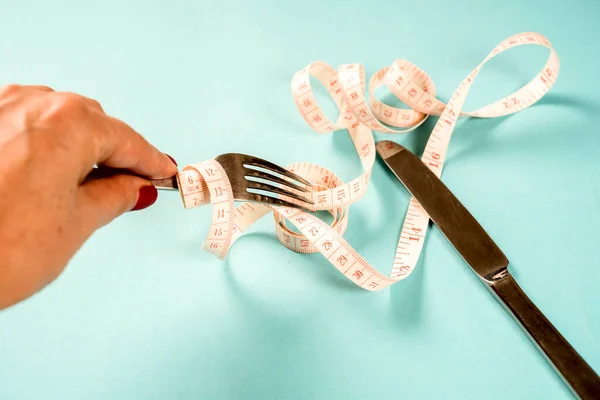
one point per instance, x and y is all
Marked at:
(487, 260)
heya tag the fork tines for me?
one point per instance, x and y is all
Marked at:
(260, 163)
(272, 182)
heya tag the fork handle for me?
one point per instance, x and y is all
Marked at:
(573, 369)
(105, 172)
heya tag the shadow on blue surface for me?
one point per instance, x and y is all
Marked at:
(478, 140)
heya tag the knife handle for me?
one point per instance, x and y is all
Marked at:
(581, 378)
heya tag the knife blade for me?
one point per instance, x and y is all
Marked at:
(489, 262)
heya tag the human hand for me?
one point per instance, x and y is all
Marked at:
(49, 142)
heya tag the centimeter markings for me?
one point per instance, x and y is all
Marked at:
(210, 176)
(207, 181)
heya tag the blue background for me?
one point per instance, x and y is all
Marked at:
(143, 313)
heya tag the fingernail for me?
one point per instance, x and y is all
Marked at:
(172, 159)
(146, 197)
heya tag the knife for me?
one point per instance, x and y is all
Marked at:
(487, 260)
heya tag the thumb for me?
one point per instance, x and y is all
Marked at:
(103, 200)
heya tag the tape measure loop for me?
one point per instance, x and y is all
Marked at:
(204, 182)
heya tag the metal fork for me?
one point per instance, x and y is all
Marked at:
(244, 173)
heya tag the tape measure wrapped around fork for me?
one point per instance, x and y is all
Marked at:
(323, 182)
(347, 86)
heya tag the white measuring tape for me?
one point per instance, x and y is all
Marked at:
(207, 182)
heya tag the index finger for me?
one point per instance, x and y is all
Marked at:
(120, 146)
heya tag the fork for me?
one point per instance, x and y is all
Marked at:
(246, 178)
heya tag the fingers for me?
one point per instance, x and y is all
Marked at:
(38, 88)
(91, 103)
(119, 146)
(9, 92)
(99, 139)
(102, 200)
(96, 137)
(8, 89)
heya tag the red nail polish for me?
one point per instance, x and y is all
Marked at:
(172, 159)
(146, 197)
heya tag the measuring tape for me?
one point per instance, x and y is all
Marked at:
(207, 182)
